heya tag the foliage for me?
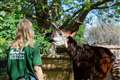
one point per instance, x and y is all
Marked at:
(3, 47)
(80, 34)
(8, 27)
(43, 43)
(9, 18)
(41, 40)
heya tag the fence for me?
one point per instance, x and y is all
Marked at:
(57, 68)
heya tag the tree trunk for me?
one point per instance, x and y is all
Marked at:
(55, 9)
(42, 14)
(47, 14)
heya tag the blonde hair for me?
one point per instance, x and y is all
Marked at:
(24, 35)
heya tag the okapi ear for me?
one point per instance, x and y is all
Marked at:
(68, 33)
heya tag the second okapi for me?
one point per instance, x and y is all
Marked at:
(89, 62)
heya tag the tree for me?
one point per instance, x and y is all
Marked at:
(68, 14)
(48, 11)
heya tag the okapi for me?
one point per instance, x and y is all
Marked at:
(89, 62)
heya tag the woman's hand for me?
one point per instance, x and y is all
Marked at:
(38, 72)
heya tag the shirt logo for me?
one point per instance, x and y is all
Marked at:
(16, 54)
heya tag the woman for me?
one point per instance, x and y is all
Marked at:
(24, 60)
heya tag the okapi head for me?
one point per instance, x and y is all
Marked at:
(60, 37)
(89, 62)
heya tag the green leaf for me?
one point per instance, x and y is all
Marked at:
(1, 18)
(2, 13)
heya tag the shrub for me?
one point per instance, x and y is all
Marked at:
(3, 47)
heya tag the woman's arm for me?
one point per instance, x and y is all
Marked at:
(38, 72)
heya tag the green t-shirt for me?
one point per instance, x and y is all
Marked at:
(18, 60)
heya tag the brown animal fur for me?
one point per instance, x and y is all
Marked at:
(89, 62)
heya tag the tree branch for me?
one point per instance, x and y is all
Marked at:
(42, 14)
(103, 7)
(99, 3)
(79, 16)
(55, 10)
(68, 9)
